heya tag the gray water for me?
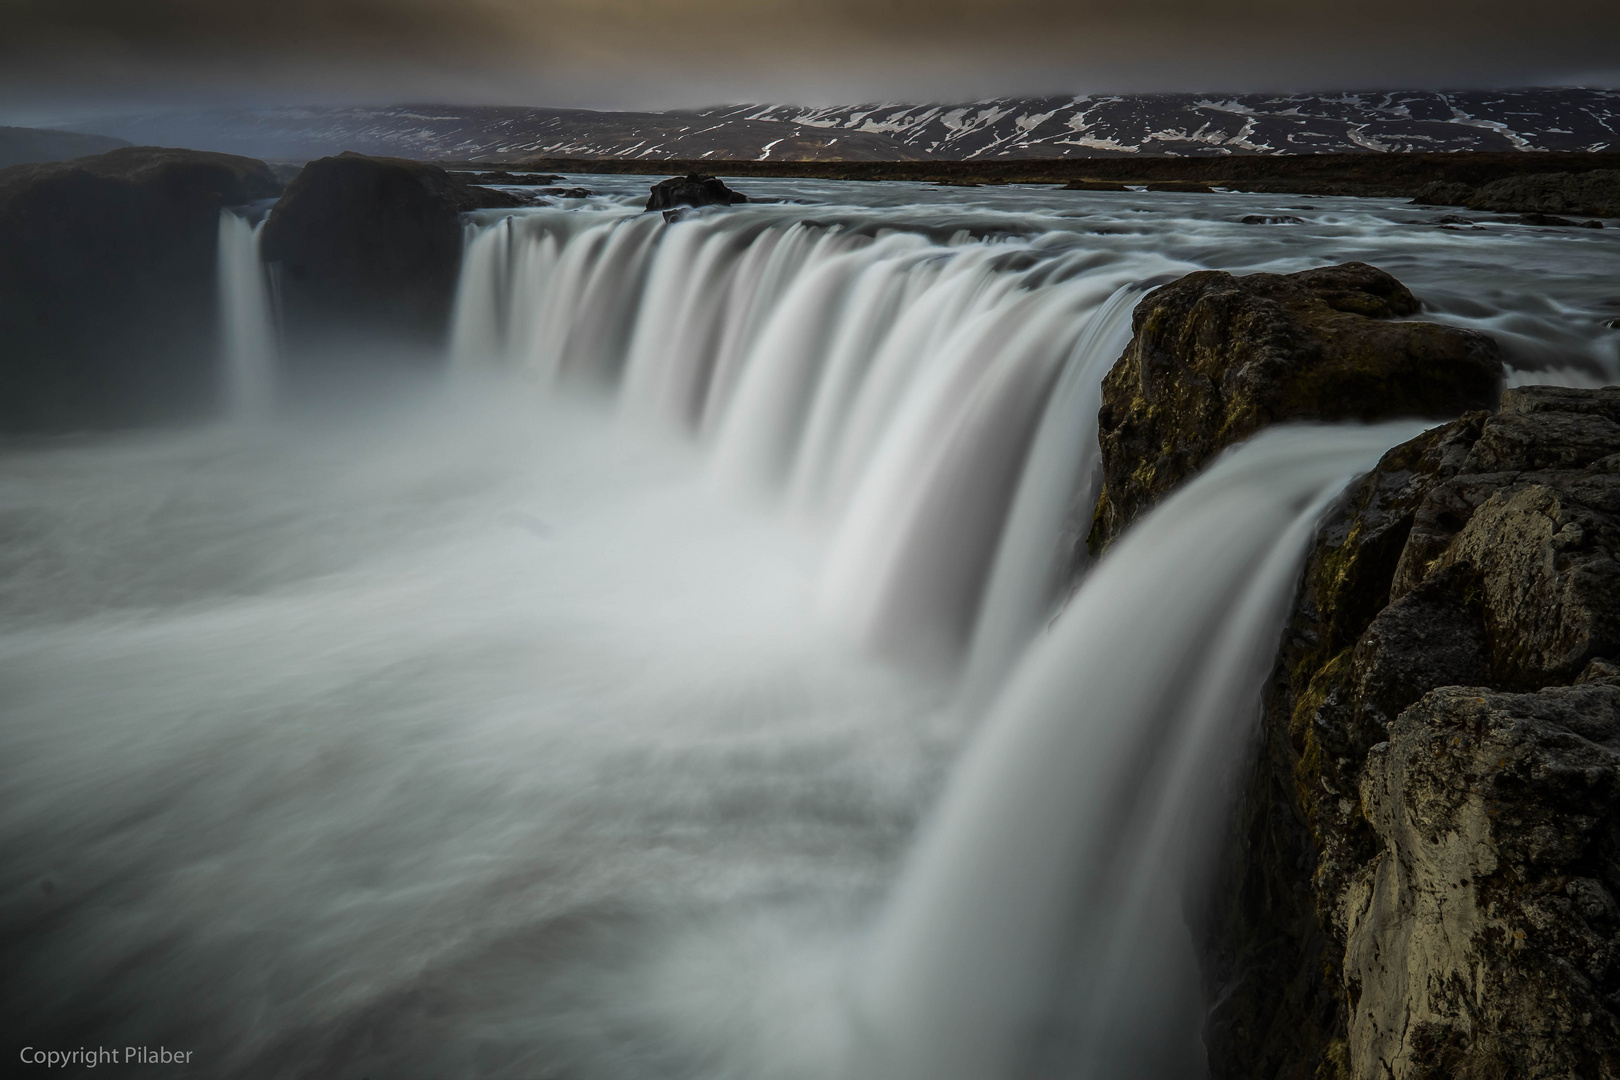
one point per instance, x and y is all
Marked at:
(506, 728)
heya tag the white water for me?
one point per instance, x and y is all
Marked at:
(884, 386)
(501, 731)
(1037, 930)
(247, 320)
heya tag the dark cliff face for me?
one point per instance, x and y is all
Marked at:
(368, 249)
(1422, 870)
(107, 285)
(1214, 358)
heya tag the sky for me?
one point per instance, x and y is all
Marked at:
(64, 59)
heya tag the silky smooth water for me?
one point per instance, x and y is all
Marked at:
(579, 716)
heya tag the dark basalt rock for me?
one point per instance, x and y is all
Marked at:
(501, 176)
(107, 285)
(1215, 358)
(1272, 219)
(692, 189)
(1595, 193)
(1443, 193)
(1420, 875)
(1094, 185)
(369, 248)
(1550, 220)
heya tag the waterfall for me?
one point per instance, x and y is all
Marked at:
(1037, 556)
(930, 406)
(885, 384)
(247, 323)
(1038, 928)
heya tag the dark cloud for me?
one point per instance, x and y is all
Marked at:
(85, 54)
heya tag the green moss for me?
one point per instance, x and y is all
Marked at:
(1335, 1062)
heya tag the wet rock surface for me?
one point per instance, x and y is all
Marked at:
(1420, 876)
(107, 285)
(693, 189)
(1214, 358)
(369, 249)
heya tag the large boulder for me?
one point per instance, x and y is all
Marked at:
(367, 251)
(692, 189)
(107, 285)
(1214, 358)
(1594, 193)
(1420, 875)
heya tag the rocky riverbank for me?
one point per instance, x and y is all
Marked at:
(1391, 175)
(1420, 875)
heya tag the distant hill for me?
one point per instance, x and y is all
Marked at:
(1571, 119)
(23, 146)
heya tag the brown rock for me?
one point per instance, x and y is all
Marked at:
(1214, 358)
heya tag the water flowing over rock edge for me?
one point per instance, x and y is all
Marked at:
(1419, 879)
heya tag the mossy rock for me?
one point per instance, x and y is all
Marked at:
(1215, 358)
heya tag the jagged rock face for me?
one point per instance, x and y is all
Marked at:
(1481, 940)
(1418, 882)
(692, 190)
(1214, 358)
(368, 249)
(107, 285)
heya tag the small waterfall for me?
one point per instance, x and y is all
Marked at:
(246, 316)
(885, 384)
(1038, 929)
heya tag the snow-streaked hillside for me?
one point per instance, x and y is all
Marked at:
(1187, 124)
(1565, 119)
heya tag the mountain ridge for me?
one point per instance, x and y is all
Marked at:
(1543, 119)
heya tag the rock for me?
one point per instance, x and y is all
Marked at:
(368, 250)
(1443, 193)
(692, 190)
(1545, 220)
(501, 176)
(107, 286)
(567, 192)
(1214, 358)
(1595, 193)
(1401, 889)
(1483, 939)
(1273, 219)
(1191, 186)
(1094, 185)
(1454, 219)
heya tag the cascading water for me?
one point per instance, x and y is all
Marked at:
(935, 406)
(887, 386)
(1038, 930)
(247, 320)
(476, 733)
